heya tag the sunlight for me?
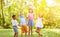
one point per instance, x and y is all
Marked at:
(50, 2)
(7, 3)
(38, 1)
(30, 4)
(42, 17)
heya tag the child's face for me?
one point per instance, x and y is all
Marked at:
(30, 11)
(14, 17)
(21, 14)
(40, 15)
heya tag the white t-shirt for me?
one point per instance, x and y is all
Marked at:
(14, 22)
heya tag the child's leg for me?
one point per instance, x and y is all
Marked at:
(29, 32)
(40, 34)
(21, 34)
(25, 30)
(32, 24)
(22, 31)
(16, 34)
(25, 34)
(37, 30)
(16, 31)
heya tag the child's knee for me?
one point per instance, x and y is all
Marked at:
(16, 32)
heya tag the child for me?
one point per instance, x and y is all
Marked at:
(23, 24)
(39, 24)
(15, 24)
(30, 21)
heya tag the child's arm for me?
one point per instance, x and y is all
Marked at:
(34, 16)
(27, 17)
(26, 20)
(18, 24)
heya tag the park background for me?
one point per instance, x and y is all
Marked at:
(49, 8)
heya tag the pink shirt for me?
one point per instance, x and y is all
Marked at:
(30, 16)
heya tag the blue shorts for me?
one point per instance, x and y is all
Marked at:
(30, 23)
(15, 29)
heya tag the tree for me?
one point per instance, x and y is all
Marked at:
(2, 4)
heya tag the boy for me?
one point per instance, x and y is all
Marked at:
(15, 24)
(23, 24)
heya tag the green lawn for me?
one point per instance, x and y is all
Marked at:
(46, 33)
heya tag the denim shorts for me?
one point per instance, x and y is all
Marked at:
(15, 29)
(30, 23)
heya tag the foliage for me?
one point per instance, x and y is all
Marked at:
(10, 7)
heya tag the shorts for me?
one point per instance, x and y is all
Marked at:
(24, 28)
(15, 29)
(30, 23)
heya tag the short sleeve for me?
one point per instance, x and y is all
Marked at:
(14, 22)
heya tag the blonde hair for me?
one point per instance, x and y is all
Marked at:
(40, 14)
(30, 10)
(20, 13)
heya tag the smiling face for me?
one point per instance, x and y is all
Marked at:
(21, 14)
(30, 11)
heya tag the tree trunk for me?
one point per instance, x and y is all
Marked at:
(3, 22)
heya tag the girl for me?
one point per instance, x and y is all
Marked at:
(23, 24)
(39, 24)
(30, 21)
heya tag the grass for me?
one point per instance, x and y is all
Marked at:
(46, 33)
